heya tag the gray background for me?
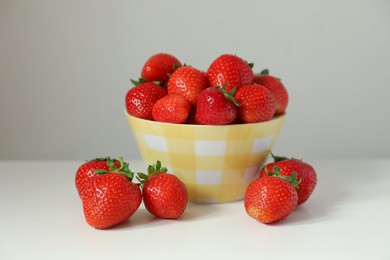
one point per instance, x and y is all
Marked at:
(65, 68)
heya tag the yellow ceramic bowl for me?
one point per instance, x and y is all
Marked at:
(216, 163)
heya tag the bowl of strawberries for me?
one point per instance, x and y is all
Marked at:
(214, 129)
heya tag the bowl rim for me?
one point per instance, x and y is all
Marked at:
(275, 118)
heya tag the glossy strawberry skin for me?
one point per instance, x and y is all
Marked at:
(159, 66)
(86, 171)
(140, 99)
(213, 108)
(257, 104)
(165, 196)
(305, 173)
(188, 82)
(270, 199)
(110, 199)
(173, 108)
(277, 88)
(231, 71)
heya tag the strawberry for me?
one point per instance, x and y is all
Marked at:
(271, 198)
(159, 66)
(173, 108)
(188, 82)
(87, 171)
(111, 198)
(229, 70)
(215, 106)
(304, 171)
(141, 98)
(276, 87)
(164, 194)
(257, 104)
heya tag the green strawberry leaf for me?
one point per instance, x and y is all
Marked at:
(281, 158)
(101, 171)
(228, 95)
(139, 82)
(293, 179)
(151, 170)
(264, 72)
(122, 169)
(250, 64)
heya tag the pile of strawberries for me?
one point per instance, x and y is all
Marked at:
(110, 196)
(229, 92)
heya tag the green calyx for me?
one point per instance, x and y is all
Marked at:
(293, 180)
(152, 170)
(228, 95)
(122, 169)
(175, 67)
(281, 158)
(250, 64)
(264, 72)
(138, 82)
(278, 158)
(142, 80)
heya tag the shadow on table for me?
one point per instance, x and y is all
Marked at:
(143, 219)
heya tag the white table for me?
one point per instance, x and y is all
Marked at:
(347, 217)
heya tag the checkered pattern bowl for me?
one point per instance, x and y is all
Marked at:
(216, 163)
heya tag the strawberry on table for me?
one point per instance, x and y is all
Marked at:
(304, 171)
(87, 171)
(111, 198)
(159, 66)
(231, 71)
(164, 194)
(141, 98)
(276, 87)
(271, 198)
(257, 104)
(188, 82)
(173, 108)
(215, 106)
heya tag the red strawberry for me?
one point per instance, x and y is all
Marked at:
(229, 70)
(173, 108)
(87, 171)
(257, 104)
(304, 171)
(215, 107)
(271, 198)
(159, 66)
(111, 198)
(140, 99)
(276, 87)
(188, 82)
(164, 194)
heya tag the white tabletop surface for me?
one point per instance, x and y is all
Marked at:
(347, 217)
